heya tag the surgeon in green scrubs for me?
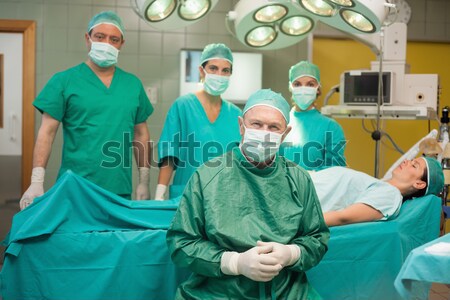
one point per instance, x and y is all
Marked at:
(198, 126)
(316, 142)
(249, 223)
(103, 111)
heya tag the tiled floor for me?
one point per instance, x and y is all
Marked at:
(439, 292)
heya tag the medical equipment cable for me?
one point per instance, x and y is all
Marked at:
(334, 89)
(384, 134)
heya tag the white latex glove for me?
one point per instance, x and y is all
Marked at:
(142, 191)
(286, 255)
(253, 263)
(160, 193)
(35, 189)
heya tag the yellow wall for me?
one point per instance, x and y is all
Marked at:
(334, 56)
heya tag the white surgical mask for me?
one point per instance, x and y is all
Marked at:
(103, 54)
(215, 84)
(260, 145)
(304, 96)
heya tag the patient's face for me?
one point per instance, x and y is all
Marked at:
(410, 170)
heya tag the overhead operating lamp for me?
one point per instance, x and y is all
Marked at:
(172, 14)
(269, 24)
(275, 24)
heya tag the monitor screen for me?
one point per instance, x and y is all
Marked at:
(367, 84)
(360, 87)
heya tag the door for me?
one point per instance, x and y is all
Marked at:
(11, 49)
(17, 92)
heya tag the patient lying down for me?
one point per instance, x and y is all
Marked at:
(349, 196)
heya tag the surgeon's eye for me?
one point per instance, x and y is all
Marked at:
(255, 125)
(98, 37)
(115, 40)
(212, 68)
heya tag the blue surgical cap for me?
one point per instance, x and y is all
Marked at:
(268, 97)
(106, 17)
(304, 68)
(435, 176)
(216, 51)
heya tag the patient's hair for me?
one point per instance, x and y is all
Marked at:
(419, 193)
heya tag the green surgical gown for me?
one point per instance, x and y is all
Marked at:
(98, 123)
(191, 138)
(315, 142)
(228, 205)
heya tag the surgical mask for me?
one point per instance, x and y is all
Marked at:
(103, 54)
(215, 84)
(260, 145)
(304, 96)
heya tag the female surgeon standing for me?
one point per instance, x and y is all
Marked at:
(315, 142)
(198, 126)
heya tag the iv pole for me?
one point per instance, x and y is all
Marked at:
(395, 36)
(376, 135)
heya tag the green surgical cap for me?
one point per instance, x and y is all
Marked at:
(268, 97)
(435, 178)
(216, 51)
(106, 17)
(304, 68)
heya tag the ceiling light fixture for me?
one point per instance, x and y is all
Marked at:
(268, 24)
(172, 14)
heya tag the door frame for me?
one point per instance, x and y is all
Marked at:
(28, 30)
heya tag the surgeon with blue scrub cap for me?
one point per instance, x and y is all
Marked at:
(98, 104)
(267, 97)
(249, 221)
(315, 142)
(199, 125)
(106, 17)
(262, 137)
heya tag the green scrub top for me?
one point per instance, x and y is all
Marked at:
(98, 123)
(228, 205)
(315, 142)
(191, 138)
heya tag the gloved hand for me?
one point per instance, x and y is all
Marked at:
(142, 191)
(285, 255)
(160, 192)
(254, 263)
(35, 189)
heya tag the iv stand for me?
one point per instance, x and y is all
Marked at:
(376, 135)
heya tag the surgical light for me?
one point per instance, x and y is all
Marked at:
(296, 25)
(357, 20)
(192, 10)
(347, 3)
(319, 7)
(172, 14)
(270, 13)
(160, 10)
(261, 36)
(268, 24)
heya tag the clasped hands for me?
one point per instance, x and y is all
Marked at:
(262, 262)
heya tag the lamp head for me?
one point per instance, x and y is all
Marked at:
(172, 14)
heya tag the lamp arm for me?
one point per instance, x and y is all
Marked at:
(231, 16)
(133, 5)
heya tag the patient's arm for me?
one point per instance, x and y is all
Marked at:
(355, 213)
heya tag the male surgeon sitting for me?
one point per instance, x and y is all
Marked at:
(249, 223)
(348, 196)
